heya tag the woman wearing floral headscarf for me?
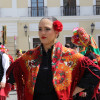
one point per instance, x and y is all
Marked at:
(87, 47)
(51, 71)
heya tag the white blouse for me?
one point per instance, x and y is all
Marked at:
(5, 64)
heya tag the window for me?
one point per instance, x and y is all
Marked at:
(69, 7)
(69, 3)
(37, 7)
(98, 2)
(36, 42)
(68, 41)
(97, 8)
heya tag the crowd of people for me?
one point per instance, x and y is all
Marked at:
(52, 71)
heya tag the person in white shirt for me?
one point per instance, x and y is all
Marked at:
(4, 64)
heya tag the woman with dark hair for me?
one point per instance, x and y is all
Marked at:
(51, 71)
(18, 53)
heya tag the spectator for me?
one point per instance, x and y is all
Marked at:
(4, 64)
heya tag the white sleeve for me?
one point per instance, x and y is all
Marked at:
(5, 64)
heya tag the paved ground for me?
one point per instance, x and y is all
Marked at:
(12, 95)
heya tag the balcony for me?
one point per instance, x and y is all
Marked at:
(37, 12)
(70, 11)
(96, 9)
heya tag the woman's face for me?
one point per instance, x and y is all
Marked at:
(47, 34)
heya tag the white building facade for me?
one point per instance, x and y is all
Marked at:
(15, 14)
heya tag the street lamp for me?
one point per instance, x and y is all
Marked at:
(92, 28)
(25, 29)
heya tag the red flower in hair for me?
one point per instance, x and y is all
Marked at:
(57, 26)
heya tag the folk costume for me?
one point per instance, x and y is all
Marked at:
(66, 70)
(4, 64)
(86, 43)
(87, 47)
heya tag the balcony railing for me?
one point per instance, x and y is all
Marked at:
(70, 11)
(35, 12)
(96, 9)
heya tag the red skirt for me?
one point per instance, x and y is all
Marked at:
(2, 98)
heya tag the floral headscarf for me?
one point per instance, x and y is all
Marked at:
(84, 41)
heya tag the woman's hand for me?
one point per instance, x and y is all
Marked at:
(2, 85)
(77, 90)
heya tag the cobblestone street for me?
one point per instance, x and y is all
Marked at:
(12, 95)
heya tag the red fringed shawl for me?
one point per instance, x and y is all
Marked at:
(67, 67)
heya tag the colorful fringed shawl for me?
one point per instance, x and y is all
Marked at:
(67, 67)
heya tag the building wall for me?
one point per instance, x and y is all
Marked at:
(5, 4)
(68, 23)
(53, 3)
(22, 3)
(86, 2)
(84, 5)
(19, 8)
(16, 28)
(14, 14)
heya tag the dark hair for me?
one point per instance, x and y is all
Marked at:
(0, 43)
(23, 52)
(17, 51)
(52, 18)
